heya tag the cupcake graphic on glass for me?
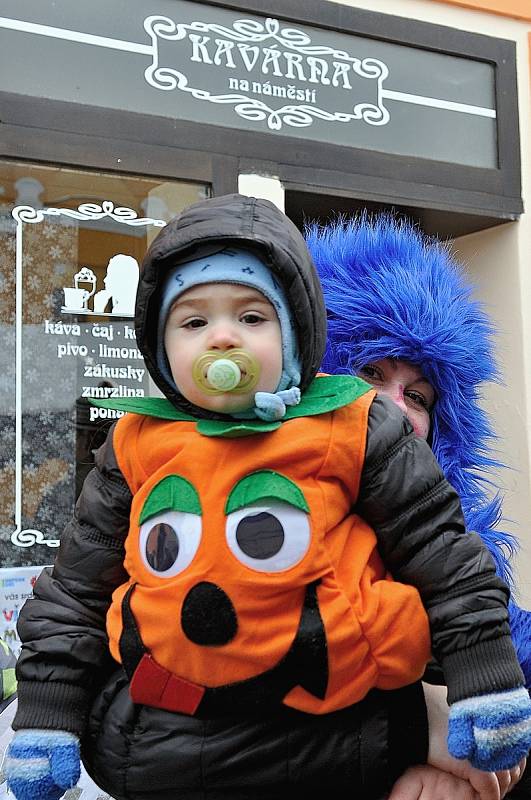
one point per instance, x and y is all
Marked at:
(119, 293)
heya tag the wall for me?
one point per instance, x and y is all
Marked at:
(499, 262)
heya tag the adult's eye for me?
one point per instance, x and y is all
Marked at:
(169, 541)
(417, 399)
(268, 537)
(370, 373)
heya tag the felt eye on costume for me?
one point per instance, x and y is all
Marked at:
(170, 527)
(169, 541)
(268, 524)
(268, 537)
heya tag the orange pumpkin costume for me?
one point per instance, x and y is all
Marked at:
(376, 631)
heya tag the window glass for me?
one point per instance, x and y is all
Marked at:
(71, 245)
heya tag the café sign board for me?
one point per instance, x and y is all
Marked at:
(273, 72)
(209, 64)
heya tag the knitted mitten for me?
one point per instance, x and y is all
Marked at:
(42, 764)
(492, 731)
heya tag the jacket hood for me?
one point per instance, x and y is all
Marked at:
(391, 291)
(248, 222)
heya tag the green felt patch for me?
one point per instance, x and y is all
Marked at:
(146, 406)
(325, 394)
(265, 484)
(234, 429)
(172, 493)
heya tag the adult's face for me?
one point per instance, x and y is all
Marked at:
(406, 386)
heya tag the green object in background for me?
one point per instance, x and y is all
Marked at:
(8, 681)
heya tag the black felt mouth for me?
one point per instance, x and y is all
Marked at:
(305, 664)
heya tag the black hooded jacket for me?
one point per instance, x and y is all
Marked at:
(65, 668)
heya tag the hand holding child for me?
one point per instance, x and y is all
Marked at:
(424, 782)
(487, 785)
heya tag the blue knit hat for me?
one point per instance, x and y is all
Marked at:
(239, 266)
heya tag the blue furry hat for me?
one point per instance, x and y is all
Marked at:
(391, 291)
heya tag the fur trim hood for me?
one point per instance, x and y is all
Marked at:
(391, 291)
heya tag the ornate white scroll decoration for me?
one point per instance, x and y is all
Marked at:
(86, 211)
(247, 31)
(28, 214)
(30, 536)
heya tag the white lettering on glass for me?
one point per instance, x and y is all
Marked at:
(78, 344)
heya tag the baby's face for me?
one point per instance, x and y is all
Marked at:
(223, 316)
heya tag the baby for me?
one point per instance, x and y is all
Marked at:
(229, 550)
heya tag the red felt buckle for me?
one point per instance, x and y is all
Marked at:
(153, 685)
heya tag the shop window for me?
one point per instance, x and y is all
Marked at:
(71, 245)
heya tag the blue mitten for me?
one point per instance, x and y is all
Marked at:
(42, 764)
(493, 731)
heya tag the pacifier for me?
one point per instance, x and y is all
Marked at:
(235, 371)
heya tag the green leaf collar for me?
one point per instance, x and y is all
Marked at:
(326, 393)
